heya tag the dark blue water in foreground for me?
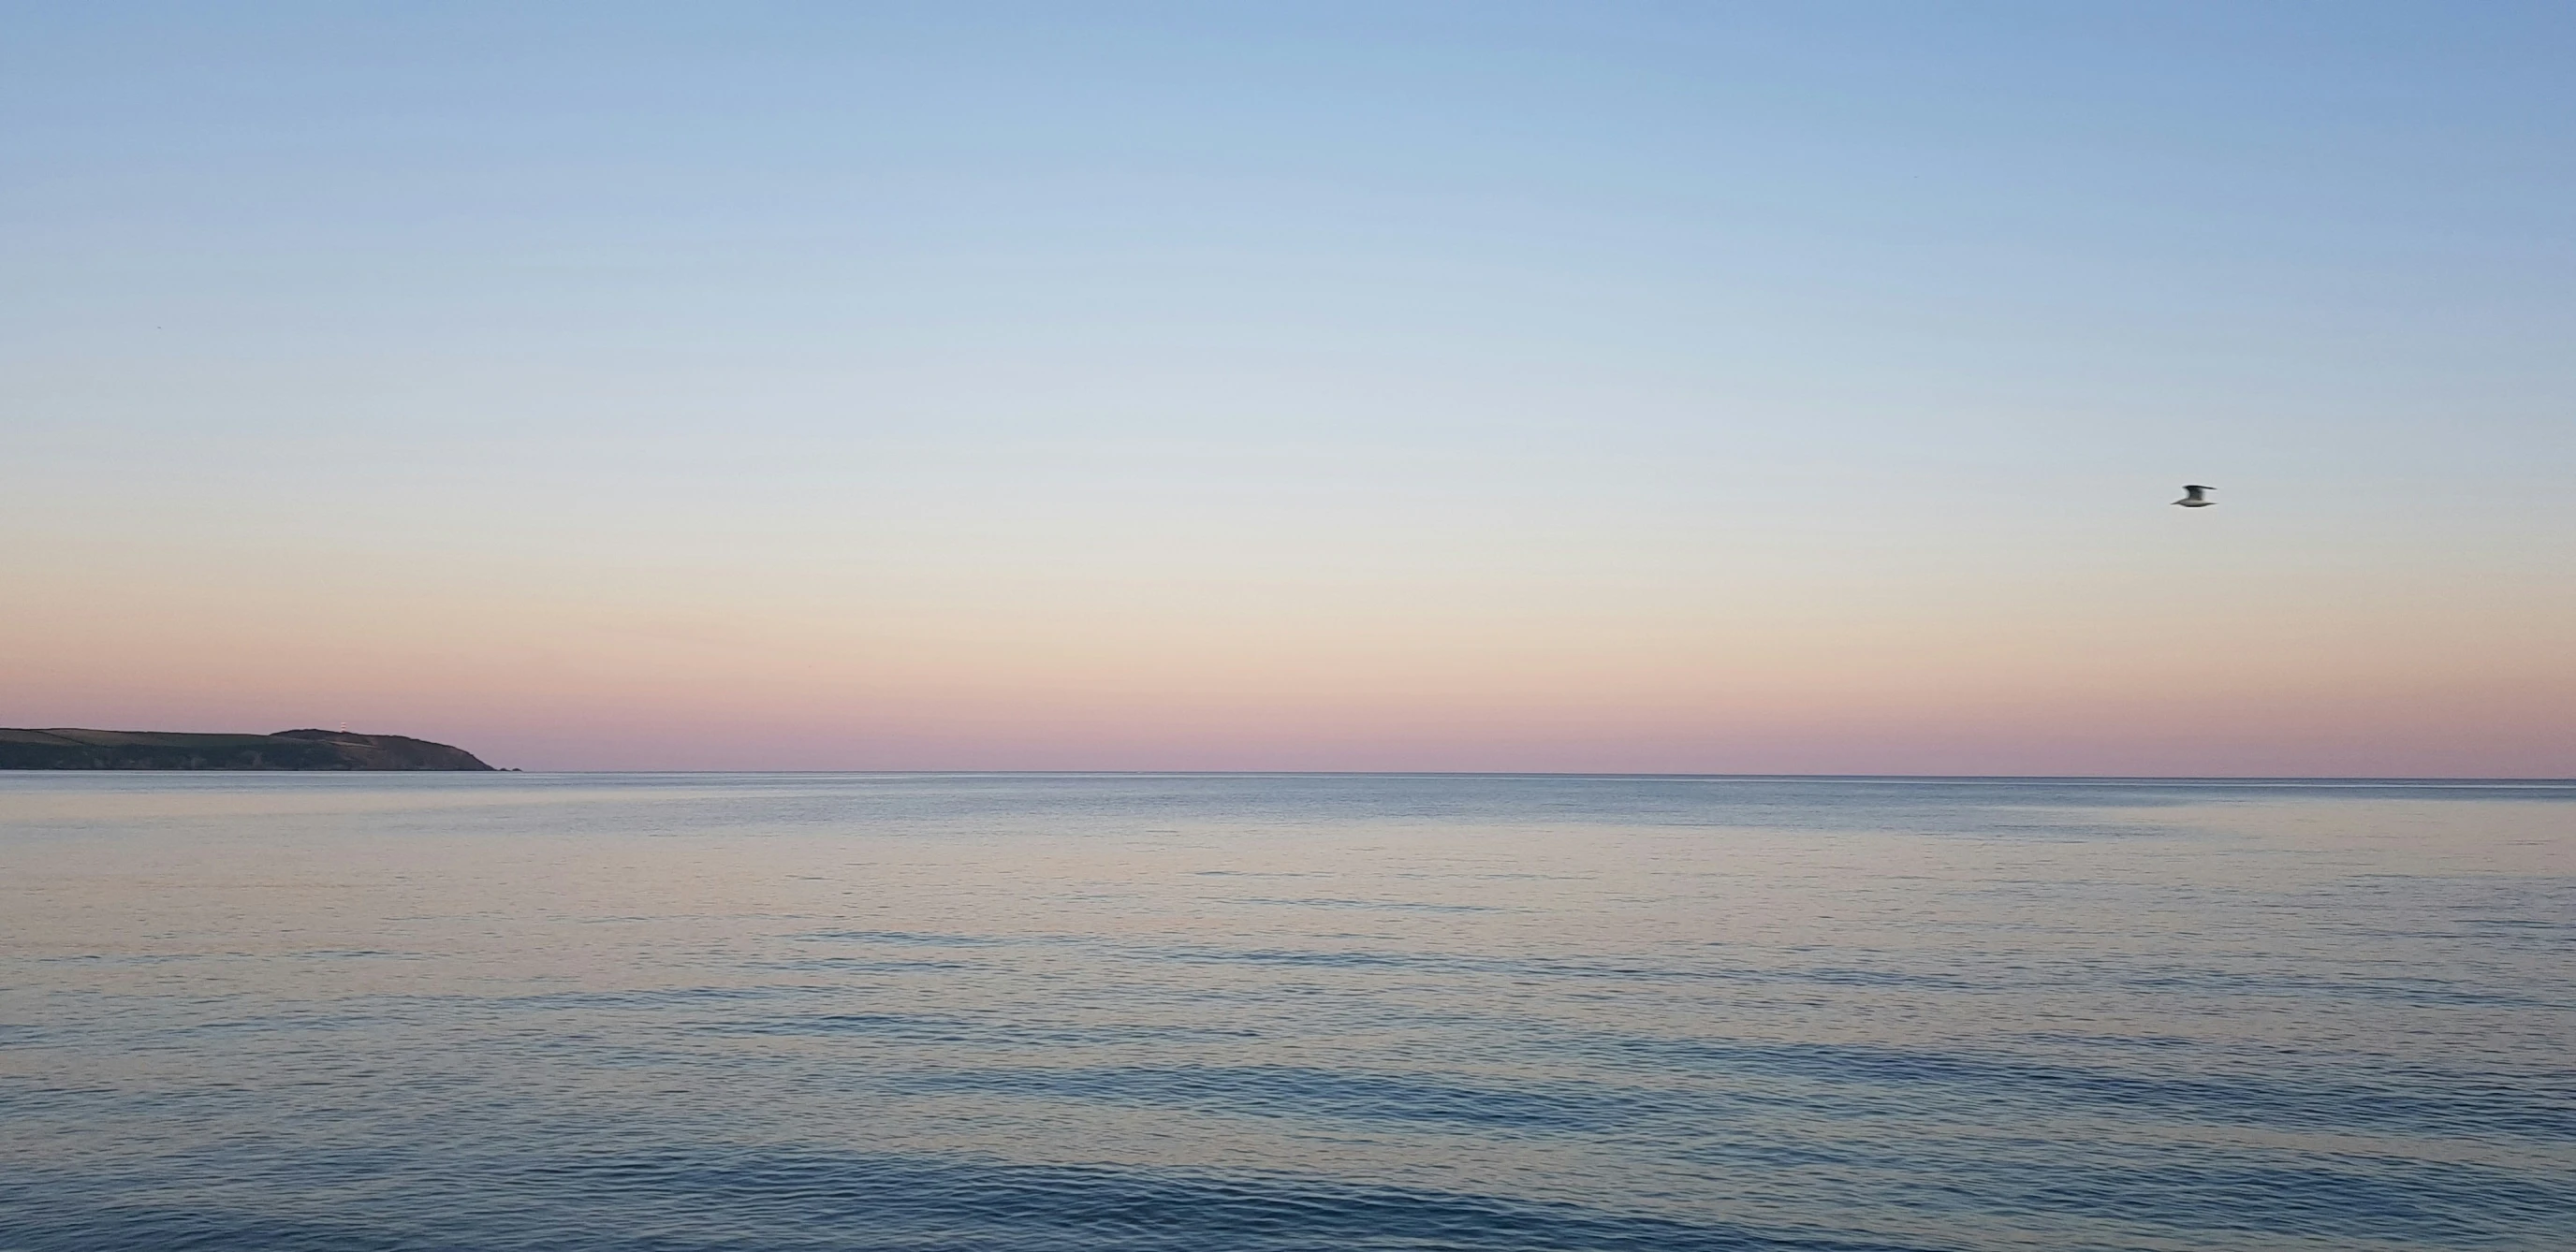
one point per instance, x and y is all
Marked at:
(1268, 1013)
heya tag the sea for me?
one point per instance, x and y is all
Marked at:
(1168, 1013)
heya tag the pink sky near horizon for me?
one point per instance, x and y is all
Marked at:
(2050, 672)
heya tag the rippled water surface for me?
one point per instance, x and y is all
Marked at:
(1194, 1012)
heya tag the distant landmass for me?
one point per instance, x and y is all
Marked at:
(287, 749)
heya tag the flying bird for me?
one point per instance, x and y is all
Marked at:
(2194, 496)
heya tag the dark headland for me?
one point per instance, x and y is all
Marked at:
(287, 749)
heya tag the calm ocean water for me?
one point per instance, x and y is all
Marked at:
(1195, 1012)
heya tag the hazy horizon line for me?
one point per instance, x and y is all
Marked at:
(2239, 779)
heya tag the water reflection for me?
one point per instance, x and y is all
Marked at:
(1191, 1011)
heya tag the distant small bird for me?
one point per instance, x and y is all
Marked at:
(2193, 496)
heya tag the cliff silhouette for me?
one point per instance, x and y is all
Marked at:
(64, 748)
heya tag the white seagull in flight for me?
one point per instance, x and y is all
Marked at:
(2194, 496)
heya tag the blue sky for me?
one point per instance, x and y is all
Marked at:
(1208, 331)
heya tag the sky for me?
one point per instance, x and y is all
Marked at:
(1618, 387)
